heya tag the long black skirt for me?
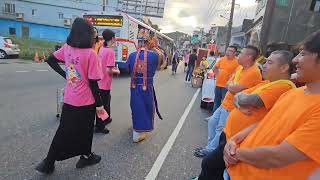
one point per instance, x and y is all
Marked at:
(74, 134)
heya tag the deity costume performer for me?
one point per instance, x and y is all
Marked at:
(142, 66)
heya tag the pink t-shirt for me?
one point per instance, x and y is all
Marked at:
(81, 65)
(107, 57)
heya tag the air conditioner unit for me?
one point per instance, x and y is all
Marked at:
(67, 22)
(19, 15)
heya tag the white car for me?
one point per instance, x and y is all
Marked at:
(8, 48)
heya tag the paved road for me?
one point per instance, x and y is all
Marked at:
(28, 123)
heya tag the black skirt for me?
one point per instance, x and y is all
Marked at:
(74, 134)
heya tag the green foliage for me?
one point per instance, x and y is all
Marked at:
(29, 46)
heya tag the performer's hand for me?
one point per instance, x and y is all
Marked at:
(116, 70)
(99, 110)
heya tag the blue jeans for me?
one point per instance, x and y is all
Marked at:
(215, 128)
(219, 94)
(226, 175)
(174, 67)
(189, 73)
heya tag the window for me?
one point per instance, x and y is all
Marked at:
(33, 12)
(8, 40)
(12, 31)
(60, 15)
(104, 4)
(9, 8)
(25, 31)
(315, 6)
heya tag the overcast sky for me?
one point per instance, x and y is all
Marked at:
(187, 15)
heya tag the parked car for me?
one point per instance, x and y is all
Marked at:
(8, 48)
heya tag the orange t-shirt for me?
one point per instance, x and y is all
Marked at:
(248, 78)
(226, 68)
(295, 117)
(237, 121)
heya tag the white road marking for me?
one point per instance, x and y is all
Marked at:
(167, 147)
(42, 70)
(21, 71)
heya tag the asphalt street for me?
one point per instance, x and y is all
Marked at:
(28, 122)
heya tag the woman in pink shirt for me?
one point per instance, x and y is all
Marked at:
(81, 99)
(107, 57)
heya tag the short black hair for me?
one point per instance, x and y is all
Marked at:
(211, 53)
(286, 57)
(81, 34)
(255, 51)
(312, 43)
(194, 50)
(107, 35)
(234, 47)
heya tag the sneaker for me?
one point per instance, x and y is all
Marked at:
(141, 137)
(207, 119)
(103, 131)
(194, 178)
(198, 149)
(45, 167)
(90, 160)
(200, 154)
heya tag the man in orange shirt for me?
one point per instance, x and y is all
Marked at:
(252, 105)
(223, 70)
(246, 76)
(285, 145)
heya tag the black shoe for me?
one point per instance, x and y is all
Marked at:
(45, 167)
(90, 160)
(198, 149)
(103, 131)
(200, 154)
(108, 121)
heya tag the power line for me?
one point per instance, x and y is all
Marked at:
(213, 9)
(210, 6)
(215, 12)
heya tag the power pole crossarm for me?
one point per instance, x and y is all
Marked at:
(230, 24)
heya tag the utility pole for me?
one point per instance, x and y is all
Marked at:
(230, 24)
(202, 29)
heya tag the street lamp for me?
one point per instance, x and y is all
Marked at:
(224, 17)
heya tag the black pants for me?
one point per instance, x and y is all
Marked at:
(174, 67)
(106, 99)
(212, 166)
(74, 134)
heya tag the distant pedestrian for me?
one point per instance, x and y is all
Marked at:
(191, 64)
(81, 99)
(175, 62)
(204, 64)
(186, 60)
